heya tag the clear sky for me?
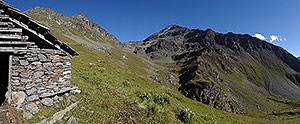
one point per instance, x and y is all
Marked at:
(134, 20)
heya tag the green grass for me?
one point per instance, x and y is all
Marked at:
(114, 93)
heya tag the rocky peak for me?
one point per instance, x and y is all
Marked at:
(170, 31)
(206, 57)
(79, 22)
(80, 17)
(40, 11)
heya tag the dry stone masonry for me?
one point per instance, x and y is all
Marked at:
(35, 66)
(39, 73)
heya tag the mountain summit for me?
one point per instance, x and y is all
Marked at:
(79, 22)
(227, 71)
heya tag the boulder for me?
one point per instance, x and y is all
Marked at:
(72, 120)
(27, 115)
(19, 98)
(32, 107)
(47, 102)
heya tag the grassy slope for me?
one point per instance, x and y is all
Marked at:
(114, 93)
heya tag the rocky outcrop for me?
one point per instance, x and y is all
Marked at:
(201, 81)
(222, 69)
(79, 22)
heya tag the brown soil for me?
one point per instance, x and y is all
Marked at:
(9, 115)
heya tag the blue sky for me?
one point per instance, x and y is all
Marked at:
(134, 20)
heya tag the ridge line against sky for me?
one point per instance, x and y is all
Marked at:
(134, 20)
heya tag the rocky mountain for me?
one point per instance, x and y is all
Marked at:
(227, 71)
(79, 22)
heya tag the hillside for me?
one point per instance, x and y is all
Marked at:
(119, 86)
(231, 72)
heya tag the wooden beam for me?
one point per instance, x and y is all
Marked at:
(5, 23)
(9, 80)
(56, 93)
(4, 17)
(16, 43)
(11, 30)
(15, 51)
(13, 37)
(13, 48)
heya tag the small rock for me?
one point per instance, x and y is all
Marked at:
(19, 98)
(23, 62)
(57, 106)
(76, 91)
(66, 117)
(42, 117)
(92, 64)
(56, 98)
(91, 112)
(27, 115)
(31, 91)
(32, 98)
(47, 102)
(36, 63)
(32, 107)
(68, 101)
(66, 72)
(72, 120)
(42, 57)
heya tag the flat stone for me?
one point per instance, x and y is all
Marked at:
(42, 57)
(27, 115)
(24, 62)
(56, 98)
(14, 67)
(19, 98)
(37, 75)
(32, 107)
(67, 72)
(92, 64)
(32, 59)
(47, 102)
(72, 120)
(31, 91)
(76, 91)
(32, 98)
(36, 63)
(59, 64)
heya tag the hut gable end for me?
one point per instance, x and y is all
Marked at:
(34, 64)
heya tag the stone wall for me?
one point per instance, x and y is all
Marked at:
(37, 74)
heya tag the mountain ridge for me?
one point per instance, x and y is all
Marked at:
(207, 57)
(79, 22)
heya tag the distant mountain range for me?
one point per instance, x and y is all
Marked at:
(227, 71)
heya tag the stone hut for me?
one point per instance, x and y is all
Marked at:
(33, 64)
